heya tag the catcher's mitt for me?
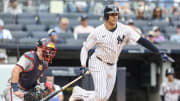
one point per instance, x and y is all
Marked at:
(35, 94)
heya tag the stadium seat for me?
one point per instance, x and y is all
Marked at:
(14, 27)
(8, 18)
(73, 23)
(170, 29)
(83, 36)
(129, 17)
(176, 22)
(48, 22)
(35, 27)
(94, 16)
(28, 41)
(74, 16)
(26, 16)
(47, 16)
(65, 36)
(19, 34)
(160, 23)
(146, 29)
(9, 21)
(74, 42)
(26, 21)
(141, 23)
(174, 17)
(39, 34)
(95, 23)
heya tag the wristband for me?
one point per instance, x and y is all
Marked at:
(14, 87)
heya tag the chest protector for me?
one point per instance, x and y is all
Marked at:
(28, 78)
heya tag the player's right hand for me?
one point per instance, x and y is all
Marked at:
(19, 94)
(83, 70)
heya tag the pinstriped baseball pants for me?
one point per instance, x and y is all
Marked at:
(104, 77)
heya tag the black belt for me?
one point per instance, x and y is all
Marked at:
(103, 61)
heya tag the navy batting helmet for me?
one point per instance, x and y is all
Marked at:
(170, 71)
(109, 9)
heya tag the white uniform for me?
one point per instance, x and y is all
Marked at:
(170, 91)
(108, 48)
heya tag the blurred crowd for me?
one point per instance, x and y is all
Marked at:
(149, 18)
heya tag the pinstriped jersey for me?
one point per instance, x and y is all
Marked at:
(109, 44)
(170, 91)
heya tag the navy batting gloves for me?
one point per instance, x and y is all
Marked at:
(83, 70)
(165, 58)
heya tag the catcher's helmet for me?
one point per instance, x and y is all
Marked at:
(48, 49)
(109, 9)
(170, 71)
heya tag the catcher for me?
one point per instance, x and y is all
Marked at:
(24, 76)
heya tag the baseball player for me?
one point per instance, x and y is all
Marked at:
(109, 39)
(28, 70)
(170, 88)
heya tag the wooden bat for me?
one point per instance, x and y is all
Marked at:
(64, 87)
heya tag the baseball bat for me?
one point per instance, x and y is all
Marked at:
(48, 97)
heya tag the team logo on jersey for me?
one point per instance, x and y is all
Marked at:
(119, 39)
(40, 67)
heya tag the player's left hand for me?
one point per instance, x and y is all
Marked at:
(83, 70)
(165, 58)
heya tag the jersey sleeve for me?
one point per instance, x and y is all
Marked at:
(25, 63)
(133, 35)
(91, 40)
(87, 45)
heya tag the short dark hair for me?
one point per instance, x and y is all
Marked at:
(84, 17)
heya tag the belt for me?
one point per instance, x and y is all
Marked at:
(103, 61)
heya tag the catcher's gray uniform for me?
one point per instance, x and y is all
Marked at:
(30, 64)
(170, 91)
(9, 95)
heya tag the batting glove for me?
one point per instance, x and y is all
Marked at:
(165, 57)
(83, 70)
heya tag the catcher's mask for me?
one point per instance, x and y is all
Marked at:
(48, 49)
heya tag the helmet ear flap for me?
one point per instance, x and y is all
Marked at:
(106, 17)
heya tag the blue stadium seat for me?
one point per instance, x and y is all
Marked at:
(39, 34)
(170, 29)
(26, 21)
(83, 36)
(160, 23)
(14, 27)
(73, 23)
(175, 22)
(35, 27)
(47, 16)
(26, 16)
(8, 18)
(141, 23)
(74, 42)
(19, 34)
(65, 36)
(95, 23)
(48, 22)
(28, 41)
(74, 16)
